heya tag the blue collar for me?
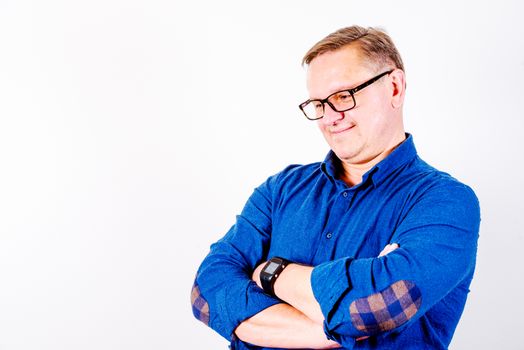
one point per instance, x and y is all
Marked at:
(402, 154)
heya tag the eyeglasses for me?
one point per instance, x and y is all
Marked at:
(340, 101)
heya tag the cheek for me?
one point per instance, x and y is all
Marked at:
(321, 126)
(375, 126)
(375, 120)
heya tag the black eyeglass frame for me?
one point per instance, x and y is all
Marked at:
(352, 92)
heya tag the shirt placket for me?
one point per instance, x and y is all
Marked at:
(332, 230)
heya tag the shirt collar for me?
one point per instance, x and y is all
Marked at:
(402, 154)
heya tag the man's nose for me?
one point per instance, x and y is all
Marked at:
(331, 116)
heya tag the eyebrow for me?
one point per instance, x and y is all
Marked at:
(359, 86)
(333, 92)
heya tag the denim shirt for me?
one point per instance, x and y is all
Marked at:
(411, 298)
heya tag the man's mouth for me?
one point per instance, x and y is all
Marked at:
(341, 130)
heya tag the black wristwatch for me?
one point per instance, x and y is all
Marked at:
(270, 273)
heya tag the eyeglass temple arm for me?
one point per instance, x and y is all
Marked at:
(369, 82)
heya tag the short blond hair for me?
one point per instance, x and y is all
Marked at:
(374, 44)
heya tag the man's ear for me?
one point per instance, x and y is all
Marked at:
(398, 81)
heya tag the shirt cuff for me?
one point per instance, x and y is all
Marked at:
(330, 283)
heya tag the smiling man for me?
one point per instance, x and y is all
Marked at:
(370, 249)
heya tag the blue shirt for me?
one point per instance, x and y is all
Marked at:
(411, 298)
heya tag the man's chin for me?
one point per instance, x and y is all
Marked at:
(345, 155)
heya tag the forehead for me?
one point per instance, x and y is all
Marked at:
(336, 70)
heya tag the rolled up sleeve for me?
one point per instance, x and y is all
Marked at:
(223, 294)
(374, 296)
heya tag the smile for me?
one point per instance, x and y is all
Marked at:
(340, 131)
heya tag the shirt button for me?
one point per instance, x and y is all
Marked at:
(345, 194)
(329, 235)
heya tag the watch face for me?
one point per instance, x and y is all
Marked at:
(271, 267)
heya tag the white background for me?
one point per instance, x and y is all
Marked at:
(132, 132)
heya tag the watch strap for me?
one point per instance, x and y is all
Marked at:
(270, 273)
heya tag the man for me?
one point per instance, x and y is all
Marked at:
(370, 249)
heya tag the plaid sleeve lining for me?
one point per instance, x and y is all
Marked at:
(200, 305)
(387, 309)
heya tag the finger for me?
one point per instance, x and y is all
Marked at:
(392, 247)
(388, 249)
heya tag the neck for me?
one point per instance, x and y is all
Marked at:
(352, 173)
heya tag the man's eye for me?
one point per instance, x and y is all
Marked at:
(343, 96)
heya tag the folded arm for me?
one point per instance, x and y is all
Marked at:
(366, 297)
(225, 298)
(293, 286)
(283, 326)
